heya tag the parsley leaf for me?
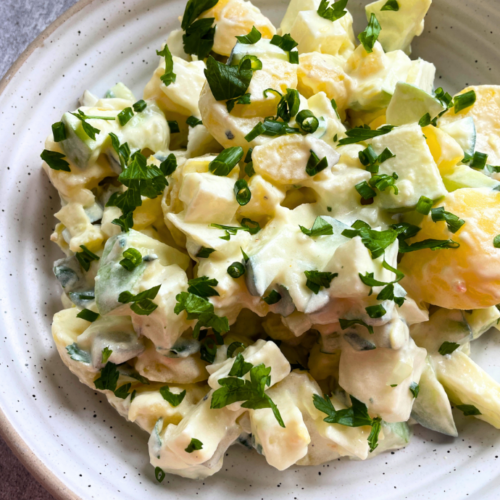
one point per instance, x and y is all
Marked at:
(375, 312)
(496, 241)
(201, 309)
(194, 445)
(85, 257)
(319, 228)
(55, 160)
(59, 132)
(240, 367)
(122, 150)
(244, 99)
(317, 280)
(365, 191)
(287, 44)
(88, 315)
(204, 252)
(87, 127)
(468, 410)
(194, 9)
(171, 398)
(77, 354)
(203, 287)
(370, 35)
(355, 416)
(414, 389)
(199, 38)
(142, 303)
(169, 76)
(252, 392)
(375, 241)
(347, 323)
(333, 12)
(227, 82)
(448, 348)
(371, 161)
(424, 205)
(108, 379)
(391, 5)
(106, 353)
(169, 165)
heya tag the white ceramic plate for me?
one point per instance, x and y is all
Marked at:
(68, 435)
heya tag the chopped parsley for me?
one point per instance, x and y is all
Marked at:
(348, 323)
(315, 165)
(317, 280)
(171, 398)
(287, 44)
(370, 35)
(468, 410)
(55, 160)
(448, 348)
(244, 99)
(332, 12)
(169, 165)
(204, 252)
(319, 228)
(371, 161)
(86, 257)
(375, 241)
(125, 116)
(173, 125)
(391, 5)
(375, 312)
(227, 82)
(199, 38)
(248, 225)
(355, 416)
(271, 128)
(428, 244)
(192, 121)
(194, 445)
(59, 132)
(252, 38)
(142, 303)
(203, 287)
(88, 315)
(273, 298)
(414, 389)
(251, 392)
(106, 353)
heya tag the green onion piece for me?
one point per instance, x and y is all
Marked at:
(236, 270)
(59, 132)
(125, 116)
(204, 252)
(250, 62)
(424, 205)
(242, 192)
(192, 121)
(464, 101)
(253, 37)
(233, 348)
(169, 165)
(273, 298)
(375, 311)
(317, 280)
(307, 121)
(131, 259)
(365, 191)
(87, 315)
(293, 57)
(391, 5)
(55, 160)
(496, 241)
(453, 222)
(448, 348)
(173, 126)
(140, 106)
(226, 161)
(468, 410)
(159, 474)
(315, 165)
(478, 161)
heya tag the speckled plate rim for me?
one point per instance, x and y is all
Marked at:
(18, 446)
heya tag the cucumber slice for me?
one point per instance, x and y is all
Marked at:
(79, 148)
(432, 408)
(74, 281)
(409, 104)
(444, 325)
(481, 320)
(463, 176)
(468, 384)
(120, 91)
(117, 334)
(464, 132)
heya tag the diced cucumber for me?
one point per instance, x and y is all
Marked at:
(399, 27)
(120, 91)
(468, 384)
(422, 74)
(182, 348)
(444, 325)
(115, 333)
(79, 148)
(74, 282)
(463, 131)
(294, 7)
(481, 320)
(263, 48)
(409, 104)
(432, 408)
(462, 176)
(359, 343)
(417, 172)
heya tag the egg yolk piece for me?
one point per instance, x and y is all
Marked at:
(467, 277)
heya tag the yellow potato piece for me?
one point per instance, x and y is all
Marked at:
(467, 277)
(324, 73)
(234, 18)
(486, 114)
(444, 149)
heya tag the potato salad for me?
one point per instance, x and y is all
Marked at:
(288, 243)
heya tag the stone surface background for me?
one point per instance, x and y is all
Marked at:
(21, 21)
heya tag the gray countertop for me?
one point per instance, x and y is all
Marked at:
(20, 23)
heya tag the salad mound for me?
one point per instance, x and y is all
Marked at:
(288, 243)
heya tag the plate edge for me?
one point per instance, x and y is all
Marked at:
(14, 441)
